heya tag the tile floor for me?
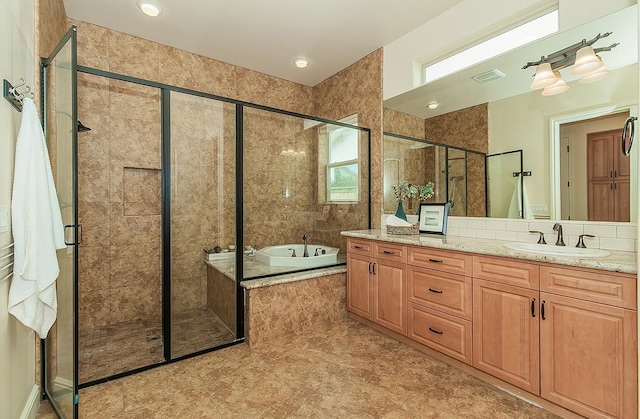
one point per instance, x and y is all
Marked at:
(110, 350)
(346, 370)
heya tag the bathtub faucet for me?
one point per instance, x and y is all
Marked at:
(306, 252)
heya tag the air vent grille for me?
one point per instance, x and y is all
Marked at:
(488, 76)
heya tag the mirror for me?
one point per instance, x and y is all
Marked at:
(522, 119)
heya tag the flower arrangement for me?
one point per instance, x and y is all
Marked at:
(425, 191)
(404, 190)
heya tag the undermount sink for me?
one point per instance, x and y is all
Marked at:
(551, 250)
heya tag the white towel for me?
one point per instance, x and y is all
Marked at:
(37, 228)
(394, 221)
(515, 206)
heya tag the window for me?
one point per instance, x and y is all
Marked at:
(507, 41)
(343, 178)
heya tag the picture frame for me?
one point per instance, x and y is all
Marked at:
(432, 218)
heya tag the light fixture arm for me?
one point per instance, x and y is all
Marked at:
(566, 56)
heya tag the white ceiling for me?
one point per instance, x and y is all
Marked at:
(266, 35)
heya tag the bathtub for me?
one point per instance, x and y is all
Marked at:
(281, 255)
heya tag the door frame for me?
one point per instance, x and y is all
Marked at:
(554, 148)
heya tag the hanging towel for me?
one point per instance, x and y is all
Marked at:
(515, 206)
(37, 228)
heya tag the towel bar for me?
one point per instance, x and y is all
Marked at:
(9, 246)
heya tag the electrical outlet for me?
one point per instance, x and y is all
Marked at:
(4, 218)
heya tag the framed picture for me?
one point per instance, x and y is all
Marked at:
(433, 218)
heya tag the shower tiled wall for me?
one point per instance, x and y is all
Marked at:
(119, 202)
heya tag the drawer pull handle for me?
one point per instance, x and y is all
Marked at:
(436, 291)
(542, 310)
(435, 331)
(370, 267)
(387, 252)
(374, 268)
(533, 307)
(435, 260)
(355, 246)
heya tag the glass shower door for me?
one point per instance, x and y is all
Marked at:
(202, 216)
(60, 364)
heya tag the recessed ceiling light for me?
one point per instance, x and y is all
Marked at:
(301, 62)
(150, 8)
(433, 105)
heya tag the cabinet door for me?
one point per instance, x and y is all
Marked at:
(359, 296)
(506, 333)
(601, 204)
(589, 357)
(390, 295)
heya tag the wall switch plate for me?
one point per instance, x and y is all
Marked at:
(4, 218)
(539, 207)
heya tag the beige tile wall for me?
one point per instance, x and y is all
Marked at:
(281, 310)
(119, 201)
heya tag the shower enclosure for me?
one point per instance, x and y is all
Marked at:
(163, 173)
(458, 174)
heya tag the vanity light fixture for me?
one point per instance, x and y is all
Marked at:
(433, 105)
(582, 56)
(150, 8)
(301, 62)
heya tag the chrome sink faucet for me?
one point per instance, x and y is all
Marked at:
(306, 252)
(557, 227)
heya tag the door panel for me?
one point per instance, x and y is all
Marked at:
(60, 363)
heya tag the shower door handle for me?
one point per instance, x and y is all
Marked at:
(69, 237)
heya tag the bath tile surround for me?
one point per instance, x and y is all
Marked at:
(609, 235)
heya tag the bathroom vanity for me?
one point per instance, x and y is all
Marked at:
(561, 328)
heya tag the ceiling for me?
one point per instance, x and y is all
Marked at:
(266, 36)
(459, 90)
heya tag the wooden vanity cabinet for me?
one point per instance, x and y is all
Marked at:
(506, 333)
(588, 345)
(440, 301)
(564, 333)
(376, 283)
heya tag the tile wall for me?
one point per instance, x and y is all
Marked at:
(609, 235)
(119, 202)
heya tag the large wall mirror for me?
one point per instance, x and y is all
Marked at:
(569, 141)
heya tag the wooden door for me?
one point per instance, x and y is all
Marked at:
(359, 296)
(608, 177)
(390, 295)
(506, 333)
(589, 357)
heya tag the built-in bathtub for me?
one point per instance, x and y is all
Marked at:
(282, 255)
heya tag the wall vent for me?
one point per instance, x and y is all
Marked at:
(488, 76)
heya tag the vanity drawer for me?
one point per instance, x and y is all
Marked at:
(360, 247)
(447, 334)
(591, 285)
(441, 260)
(506, 271)
(389, 251)
(449, 293)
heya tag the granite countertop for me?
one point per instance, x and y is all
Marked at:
(618, 261)
(277, 275)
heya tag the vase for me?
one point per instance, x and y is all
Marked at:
(400, 212)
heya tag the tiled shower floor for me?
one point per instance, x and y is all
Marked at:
(109, 350)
